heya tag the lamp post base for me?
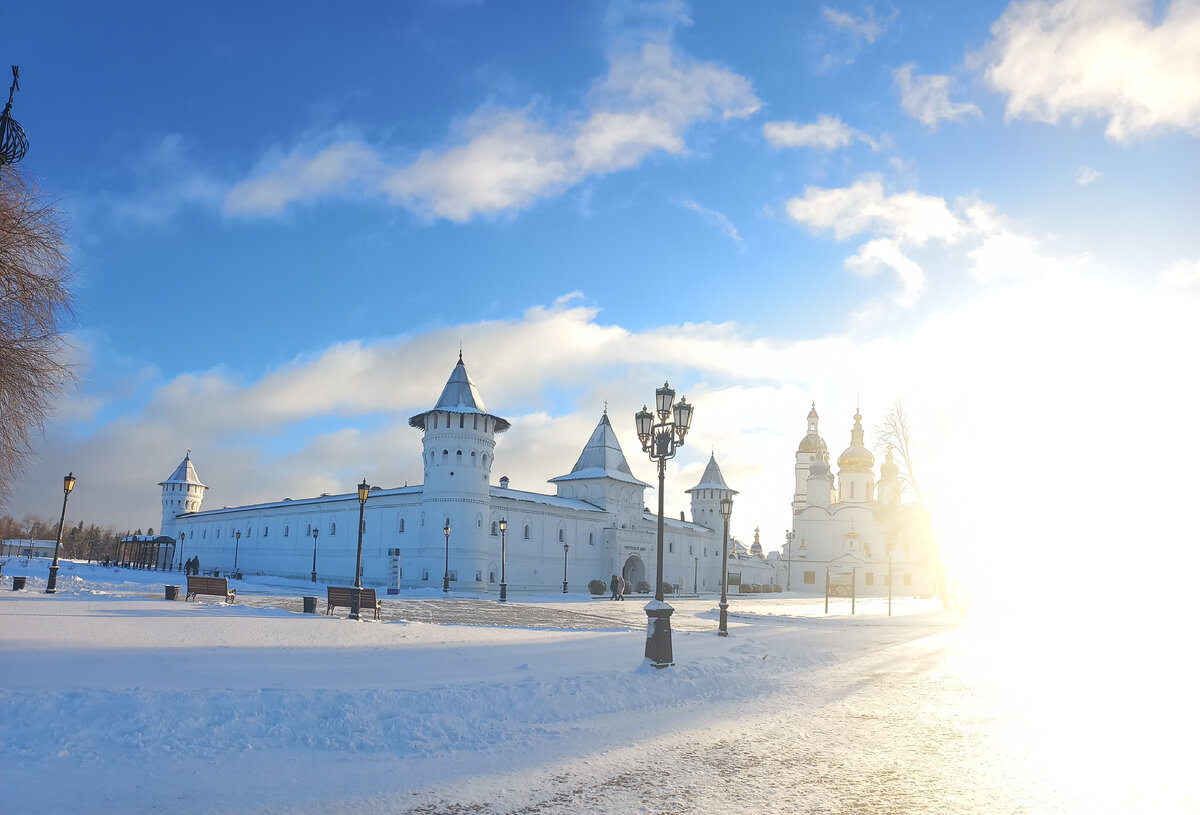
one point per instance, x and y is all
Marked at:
(446, 584)
(355, 603)
(564, 587)
(503, 592)
(314, 577)
(658, 634)
(52, 580)
(723, 628)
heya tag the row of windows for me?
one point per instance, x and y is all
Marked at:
(528, 536)
(462, 421)
(458, 457)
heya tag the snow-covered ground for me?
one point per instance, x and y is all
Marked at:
(114, 700)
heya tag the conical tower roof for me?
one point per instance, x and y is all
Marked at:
(460, 396)
(185, 473)
(712, 478)
(602, 457)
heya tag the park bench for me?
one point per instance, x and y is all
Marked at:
(340, 597)
(216, 586)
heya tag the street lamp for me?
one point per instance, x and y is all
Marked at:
(237, 543)
(565, 567)
(364, 490)
(696, 577)
(790, 536)
(52, 581)
(660, 441)
(182, 538)
(446, 576)
(316, 531)
(726, 511)
(503, 559)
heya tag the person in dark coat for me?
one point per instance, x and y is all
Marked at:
(613, 585)
(621, 588)
(196, 565)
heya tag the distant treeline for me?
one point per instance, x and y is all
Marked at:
(79, 538)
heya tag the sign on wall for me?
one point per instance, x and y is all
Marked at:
(394, 571)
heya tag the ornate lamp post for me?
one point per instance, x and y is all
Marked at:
(316, 531)
(565, 545)
(660, 441)
(237, 544)
(503, 558)
(68, 485)
(789, 536)
(364, 490)
(726, 511)
(182, 538)
(446, 576)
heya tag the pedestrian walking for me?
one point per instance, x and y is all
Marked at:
(613, 585)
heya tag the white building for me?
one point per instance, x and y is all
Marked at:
(855, 528)
(594, 526)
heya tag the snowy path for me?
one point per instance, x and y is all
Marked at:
(117, 703)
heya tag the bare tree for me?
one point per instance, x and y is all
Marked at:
(894, 430)
(35, 301)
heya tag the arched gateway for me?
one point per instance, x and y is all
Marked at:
(634, 571)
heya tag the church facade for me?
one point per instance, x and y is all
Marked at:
(595, 524)
(852, 528)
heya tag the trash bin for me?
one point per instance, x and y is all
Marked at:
(310, 605)
(18, 582)
(172, 592)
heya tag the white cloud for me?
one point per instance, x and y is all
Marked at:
(991, 246)
(876, 254)
(826, 133)
(1182, 274)
(1103, 58)
(908, 217)
(926, 97)
(867, 28)
(498, 160)
(304, 175)
(1086, 175)
(719, 221)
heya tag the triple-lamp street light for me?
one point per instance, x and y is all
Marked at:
(364, 490)
(660, 441)
(503, 558)
(726, 511)
(446, 576)
(68, 485)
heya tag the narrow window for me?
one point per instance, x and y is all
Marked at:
(475, 421)
(473, 459)
(458, 457)
(526, 531)
(493, 529)
(424, 574)
(478, 575)
(333, 527)
(671, 546)
(590, 541)
(265, 528)
(461, 421)
(560, 536)
(401, 524)
(286, 528)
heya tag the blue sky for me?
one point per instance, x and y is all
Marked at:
(284, 221)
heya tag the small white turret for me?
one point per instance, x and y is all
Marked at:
(707, 495)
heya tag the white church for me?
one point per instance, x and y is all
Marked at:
(595, 524)
(853, 529)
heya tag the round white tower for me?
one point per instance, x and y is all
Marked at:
(812, 449)
(458, 447)
(181, 493)
(856, 468)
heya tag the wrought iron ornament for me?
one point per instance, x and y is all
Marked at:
(13, 142)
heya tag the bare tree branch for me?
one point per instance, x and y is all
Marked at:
(894, 430)
(35, 301)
